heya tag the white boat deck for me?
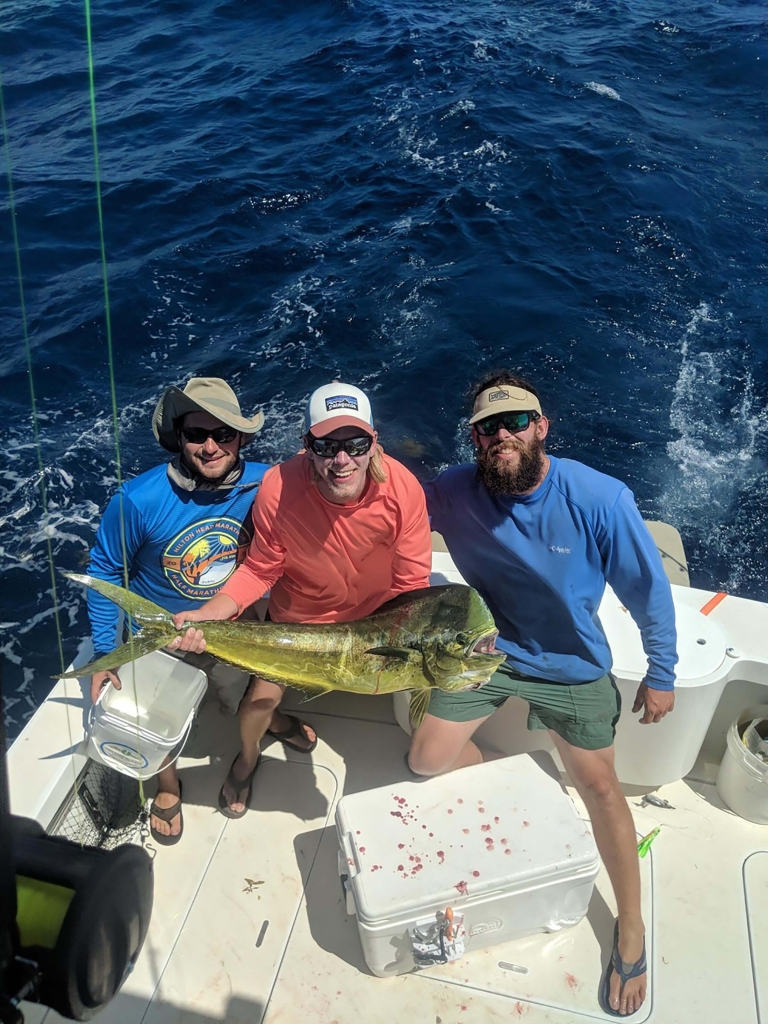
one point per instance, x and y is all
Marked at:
(249, 923)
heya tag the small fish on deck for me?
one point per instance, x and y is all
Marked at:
(655, 801)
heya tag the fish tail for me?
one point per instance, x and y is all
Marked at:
(142, 643)
(140, 608)
(157, 626)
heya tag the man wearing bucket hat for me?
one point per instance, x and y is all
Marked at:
(185, 526)
(338, 530)
(539, 537)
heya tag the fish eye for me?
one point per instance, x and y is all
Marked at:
(463, 638)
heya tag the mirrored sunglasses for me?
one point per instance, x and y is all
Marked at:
(199, 435)
(513, 422)
(327, 448)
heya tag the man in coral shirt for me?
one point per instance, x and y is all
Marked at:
(338, 530)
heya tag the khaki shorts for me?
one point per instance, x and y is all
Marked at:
(584, 714)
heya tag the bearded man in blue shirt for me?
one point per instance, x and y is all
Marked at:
(539, 537)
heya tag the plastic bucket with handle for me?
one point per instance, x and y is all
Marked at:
(137, 728)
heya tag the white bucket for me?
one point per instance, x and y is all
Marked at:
(134, 729)
(742, 780)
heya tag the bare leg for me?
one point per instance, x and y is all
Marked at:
(593, 775)
(258, 712)
(167, 795)
(439, 746)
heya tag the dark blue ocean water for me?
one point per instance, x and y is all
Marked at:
(402, 195)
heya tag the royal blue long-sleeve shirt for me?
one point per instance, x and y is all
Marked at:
(180, 546)
(541, 561)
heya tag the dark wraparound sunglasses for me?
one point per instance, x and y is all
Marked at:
(327, 448)
(199, 435)
(513, 422)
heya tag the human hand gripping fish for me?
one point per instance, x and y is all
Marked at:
(193, 641)
(434, 638)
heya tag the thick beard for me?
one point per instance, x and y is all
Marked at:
(504, 480)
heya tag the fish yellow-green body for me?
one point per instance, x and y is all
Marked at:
(438, 637)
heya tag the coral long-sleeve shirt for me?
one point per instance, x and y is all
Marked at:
(333, 563)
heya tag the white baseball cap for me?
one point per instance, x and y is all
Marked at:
(337, 405)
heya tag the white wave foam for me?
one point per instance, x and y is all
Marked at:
(722, 429)
(603, 90)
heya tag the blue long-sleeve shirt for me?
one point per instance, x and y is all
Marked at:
(180, 546)
(541, 562)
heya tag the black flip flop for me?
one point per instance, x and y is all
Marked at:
(238, 785)
(624, 970)
(296, 728)
(167, 814)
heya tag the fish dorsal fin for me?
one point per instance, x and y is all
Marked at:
(418, 707)
(406, 653)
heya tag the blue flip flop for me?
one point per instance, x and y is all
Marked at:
(624, 970)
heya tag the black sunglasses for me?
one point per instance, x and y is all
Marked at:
(327, 448)
(513, 422)
(199, 435)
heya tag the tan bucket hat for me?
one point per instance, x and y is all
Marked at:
(201, 394)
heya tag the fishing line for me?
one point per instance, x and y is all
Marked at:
(33, 403)
(110, 359)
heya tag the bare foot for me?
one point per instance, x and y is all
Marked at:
(629, 999)
(164, 800)
(236, 796)
(281, 724)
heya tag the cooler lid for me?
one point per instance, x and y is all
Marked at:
(495, 827)
(700, 643)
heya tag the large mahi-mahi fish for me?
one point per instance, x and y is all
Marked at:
(438, 637)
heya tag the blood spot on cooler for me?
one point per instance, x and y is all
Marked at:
(400, 867)
(465, 831)
(572, 982)
(496, 820)
(423, 826)
(475, 874)
(459, 800)
(462, 888)
(358, 832)
(504, 842)
(526, 824)
(401, 846)
(396, 814)
(507, 850)
(350, 861)
(450, 810)
(362, 849)
(485, 828)
(441, 856)
(431, 835)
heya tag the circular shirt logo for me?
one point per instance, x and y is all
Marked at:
(200, 559)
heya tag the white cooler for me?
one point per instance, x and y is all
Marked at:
(470, 859)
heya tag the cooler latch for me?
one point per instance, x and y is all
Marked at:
(438, 940)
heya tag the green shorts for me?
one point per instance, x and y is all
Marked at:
(584, 714)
